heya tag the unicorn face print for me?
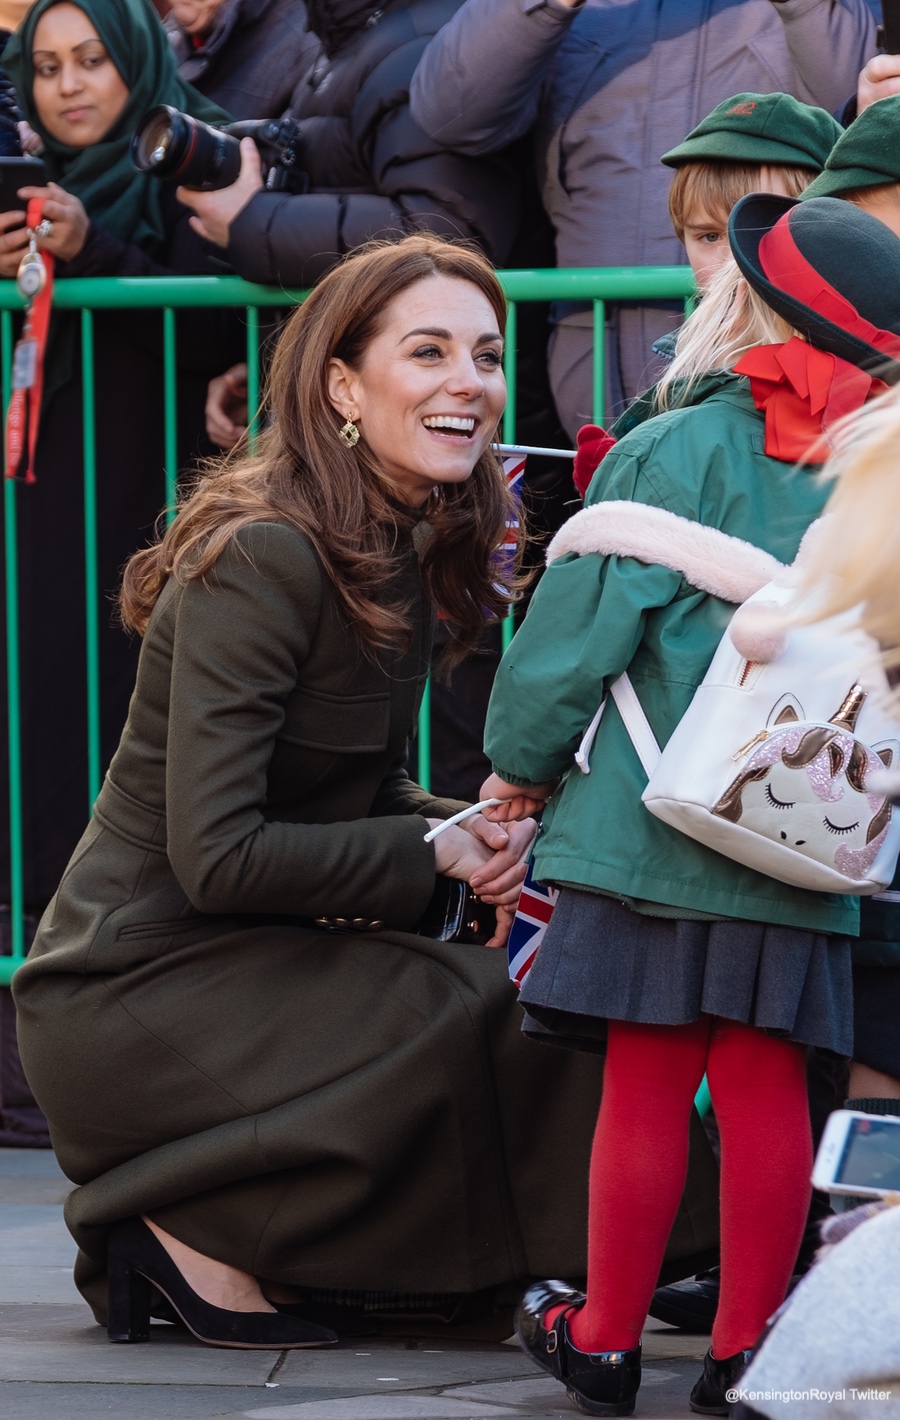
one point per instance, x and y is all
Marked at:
(805, 787)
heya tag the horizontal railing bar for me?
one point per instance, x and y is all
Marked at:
(611, 283)
(534, 449)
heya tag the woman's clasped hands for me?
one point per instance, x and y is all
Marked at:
(491, 858)
(68, 221)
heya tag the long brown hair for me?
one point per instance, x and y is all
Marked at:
(301, 473)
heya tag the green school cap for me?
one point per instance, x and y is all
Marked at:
(760, 128)
(866, 154)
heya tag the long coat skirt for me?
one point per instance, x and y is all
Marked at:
(333, 1110)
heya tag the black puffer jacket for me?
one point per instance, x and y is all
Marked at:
(372, 170)
(252, 58)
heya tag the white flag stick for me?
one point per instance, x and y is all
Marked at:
(458, 818)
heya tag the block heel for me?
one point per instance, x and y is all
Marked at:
(128, 1307)
(137, 1261)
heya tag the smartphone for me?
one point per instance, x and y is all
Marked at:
(889, 29)
(860, 1154)
(16, 173)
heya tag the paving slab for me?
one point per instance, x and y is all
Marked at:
(395, 1365)
(56, 1364)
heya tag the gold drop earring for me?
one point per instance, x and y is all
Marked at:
(349, 434)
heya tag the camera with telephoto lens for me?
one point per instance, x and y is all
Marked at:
(178, 148)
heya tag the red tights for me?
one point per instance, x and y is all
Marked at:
(639, 1165)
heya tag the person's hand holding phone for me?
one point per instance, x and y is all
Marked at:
(68, 230)
(69, 221)
(13, 242)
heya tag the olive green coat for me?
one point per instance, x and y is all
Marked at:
(339, 1111)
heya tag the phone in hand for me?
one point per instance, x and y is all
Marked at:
(889, 29)
(859, 1154)
(16, 173)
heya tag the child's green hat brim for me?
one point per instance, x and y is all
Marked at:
(772, 129)
(867, 154)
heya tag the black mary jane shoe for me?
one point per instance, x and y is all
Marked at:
(137, 1262)
(541, 1344)
(596, 1382)
(709, 1396)
(599, 1382)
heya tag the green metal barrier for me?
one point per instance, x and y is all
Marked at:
(168, 294)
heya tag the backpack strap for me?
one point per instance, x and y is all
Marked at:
(640, 731)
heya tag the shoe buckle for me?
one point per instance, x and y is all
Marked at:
(552, 1342)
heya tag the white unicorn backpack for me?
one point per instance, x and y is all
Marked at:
(776, 763)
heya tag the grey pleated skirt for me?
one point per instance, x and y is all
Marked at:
(601, 961)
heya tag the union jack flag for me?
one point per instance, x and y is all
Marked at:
(505, 556)
(532, 918)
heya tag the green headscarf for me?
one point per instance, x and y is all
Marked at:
(116, 197)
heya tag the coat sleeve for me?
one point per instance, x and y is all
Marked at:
(399, 794)
(240, 643)
(829, 42)
(583, 626)
(415, 185)
(477, 86)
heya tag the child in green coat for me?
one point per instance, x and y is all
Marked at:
(673, 959)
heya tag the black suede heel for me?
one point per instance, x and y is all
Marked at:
(136, 1258)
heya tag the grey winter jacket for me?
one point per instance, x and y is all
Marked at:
(252, 58)
(609, 86)
(372, 171)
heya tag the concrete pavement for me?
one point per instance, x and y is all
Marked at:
(56, 1364)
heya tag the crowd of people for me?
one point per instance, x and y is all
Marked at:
(290, 1102)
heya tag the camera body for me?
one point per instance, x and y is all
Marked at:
(174, 146)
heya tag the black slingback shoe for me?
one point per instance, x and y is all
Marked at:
(137, 1261)
(709, 1396)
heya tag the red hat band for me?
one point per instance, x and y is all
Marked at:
(788, 269)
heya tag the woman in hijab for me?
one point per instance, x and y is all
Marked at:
(85, 75)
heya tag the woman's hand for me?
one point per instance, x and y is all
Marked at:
(215, 211)
(492, 863)
(69, 219)
(226, 407)
(520, 801)
(13, 242)
(500, 881)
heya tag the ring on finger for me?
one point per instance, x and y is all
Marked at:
(44, 228)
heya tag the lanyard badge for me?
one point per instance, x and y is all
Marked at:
(35, 281)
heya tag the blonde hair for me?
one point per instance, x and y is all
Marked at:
(730, 320)
(857, 551)
(714, 187)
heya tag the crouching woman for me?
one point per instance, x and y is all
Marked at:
(249, 1101)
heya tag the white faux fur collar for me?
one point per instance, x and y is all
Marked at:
(710, 560)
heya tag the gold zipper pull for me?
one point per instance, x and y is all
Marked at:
(751, 744)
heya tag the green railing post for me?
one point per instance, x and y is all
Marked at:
(598, 403)
(423, 736)
(91, 570)
(170, 412)
(13, 686)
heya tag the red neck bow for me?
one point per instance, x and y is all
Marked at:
(803, 392)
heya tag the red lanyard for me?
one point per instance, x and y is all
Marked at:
(35, 281)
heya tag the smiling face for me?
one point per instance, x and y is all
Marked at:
(78, 91)
(429, 391)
